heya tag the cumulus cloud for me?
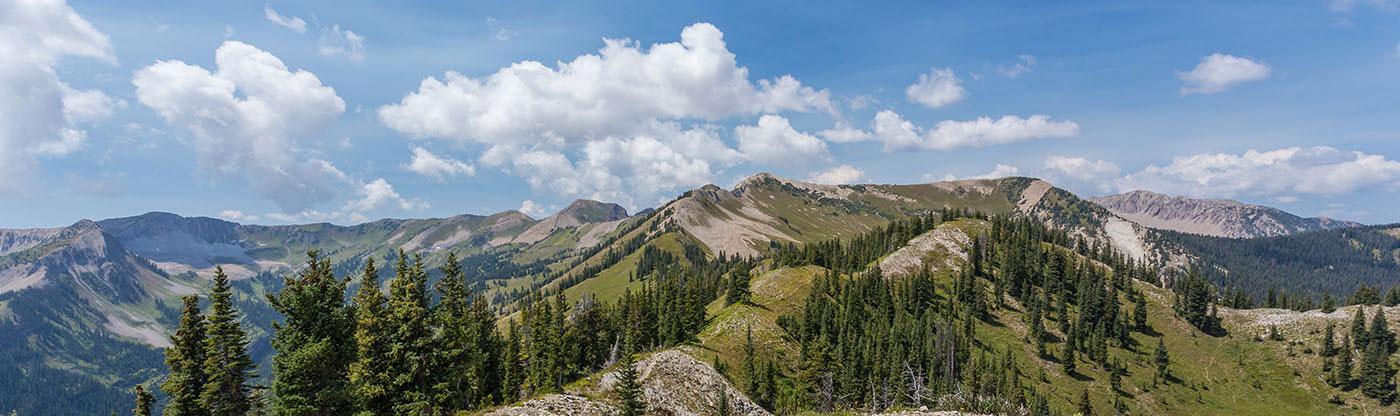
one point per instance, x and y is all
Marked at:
(937, 88)
(844, 133)
(529, 207)
(1218, 72)
(342, 42)
(1000, 171)
(293, 23)
(249, 118)
(237, 216)
(1276, 173)
(774, 140)
(1098, 175)
(840, 175)
(625, 124)
(439, 168)
(1024, 64)
(40, 115)
(898, 133)
(378, 194)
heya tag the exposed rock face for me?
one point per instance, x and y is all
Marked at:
(557, 405)
(1212, 217)
(945, 239)
(674, 383)
(578, 213)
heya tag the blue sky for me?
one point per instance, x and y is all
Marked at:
(341, 112)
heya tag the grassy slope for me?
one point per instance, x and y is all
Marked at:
(1212, 375)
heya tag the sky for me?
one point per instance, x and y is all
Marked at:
(345, 112)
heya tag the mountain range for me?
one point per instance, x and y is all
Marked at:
(85, 309)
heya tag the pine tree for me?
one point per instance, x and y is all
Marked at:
(1379, 332)
(1140, 311)
(1085, 407)
(314, 343)
(1069, 358)
(1115, 377)
(459, 385)
(185, 360)
(1376, 379)
(1329, 347)
(226, 361)
(410, 339)
(1341, 370)
(629, 388)
(1162, 361)
(368, 374)
(1358, 328)
(738, 286)
(750, 366)
(144, 402)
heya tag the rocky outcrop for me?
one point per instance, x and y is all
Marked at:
(1212, 217)
(674, 383)
(557, 405)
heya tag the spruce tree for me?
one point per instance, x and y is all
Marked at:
(629, 388)
(1358, 328)
(226, 361)
(1341, 370)
(461, 383)
(1376, 379)
(750, 366)
(410, 339)
(185, 360)
(314, 343)
(738, 286)
(1329, 342)
(1085, 407)
(1070, 356)
(144, 402)
(1163, 362)
(368, 374)
(1379, 332)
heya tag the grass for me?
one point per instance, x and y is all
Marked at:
(775, 293)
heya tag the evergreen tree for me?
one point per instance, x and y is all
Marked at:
(1069, 358)
(461, 385)
(1379, 332)
(314, 343)
(410, 339)
(629, 388)
(1329, 303)
(750, 366)
(1341, 370)
(1140, 311)
(1085, 407)
(185, 360)
(1162, 361)
(144, 402)
(1329, 347)
(226, 362)
(738, 286)
(1115, 377)
(1377, 380)
(1358, 328)
(368, 374)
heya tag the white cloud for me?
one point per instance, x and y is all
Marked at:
(844, 133)
(337, 42)
(984, 131)
(937, 88)
(1067, 171)
(237, 216)
(1218, 72)
(597, 95)
(1000, 171)
(499, 31)
(295, 24)
(1024, 64)
(378, 194)
(626, 124)
(439, 168)
(39, 113)
(529, 207)
(840, 175)
(249, 119)
(860, 102)
(1276, 173)
(773, 140)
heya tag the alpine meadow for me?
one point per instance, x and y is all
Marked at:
(510, 208)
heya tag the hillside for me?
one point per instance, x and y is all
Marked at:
(1211, 217)
(95, 301)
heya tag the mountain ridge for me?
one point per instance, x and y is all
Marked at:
(1212, 217)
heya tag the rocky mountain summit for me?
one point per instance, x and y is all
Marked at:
(1211, 217)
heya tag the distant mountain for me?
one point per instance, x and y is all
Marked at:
(1211, 217)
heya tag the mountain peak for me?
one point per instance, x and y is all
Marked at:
(1212, 217)
(588, 210)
